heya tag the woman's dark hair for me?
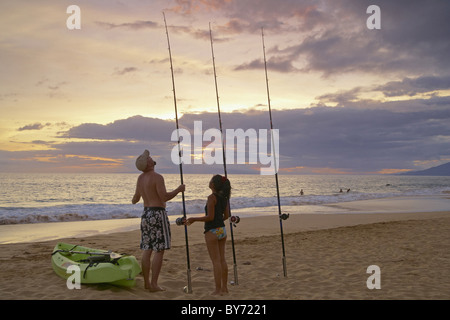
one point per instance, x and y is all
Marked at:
(222, 185)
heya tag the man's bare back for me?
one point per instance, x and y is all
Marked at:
(147, 188)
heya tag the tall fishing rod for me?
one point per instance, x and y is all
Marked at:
(280, 215)
(189, 286)
(223, 155)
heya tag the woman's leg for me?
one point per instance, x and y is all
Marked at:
(212, 243)
(223, 263)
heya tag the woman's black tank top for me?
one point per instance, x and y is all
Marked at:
(219, 210)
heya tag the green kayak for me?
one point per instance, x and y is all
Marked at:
(95, 266)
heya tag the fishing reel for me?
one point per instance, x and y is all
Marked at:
(284, 216)
(235, 220)
(180, 221)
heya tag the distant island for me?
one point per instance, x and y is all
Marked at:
(442, 170)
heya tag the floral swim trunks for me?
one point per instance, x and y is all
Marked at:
(155, 229)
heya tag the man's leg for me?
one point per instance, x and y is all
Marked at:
(156, 268)
(146, 256)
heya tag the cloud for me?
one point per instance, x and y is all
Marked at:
(55, 161)
(355, 140)
(332, 38)
(197, 33)
(411, 40)
(317, 139)
(275, 63)
(54, 87)
(121, 72)
(139, 25)
(361, 140)
(431, 88)
(341, 97)
(251, 15)
(414, 86)
(137, 128)
(329, 37)
(248, 17)
(136, 25)
(192, 6)
(35, 126)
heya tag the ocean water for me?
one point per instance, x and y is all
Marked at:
(41, 198)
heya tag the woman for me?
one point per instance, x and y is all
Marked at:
(217, 210)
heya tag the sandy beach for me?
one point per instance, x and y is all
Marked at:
(327, 258)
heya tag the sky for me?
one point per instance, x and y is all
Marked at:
(346, 98)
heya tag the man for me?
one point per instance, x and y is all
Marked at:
(155, 228)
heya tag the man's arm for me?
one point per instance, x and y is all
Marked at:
(162, 192)
(137, 195)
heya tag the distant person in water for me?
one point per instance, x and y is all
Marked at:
(301, 192)
(217, 211)
(155, 228)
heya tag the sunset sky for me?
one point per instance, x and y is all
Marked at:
(346, 99)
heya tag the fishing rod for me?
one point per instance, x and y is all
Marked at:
(236, 219)
(189, 286)
(280, 215)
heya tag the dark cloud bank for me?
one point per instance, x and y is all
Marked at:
(346, 139)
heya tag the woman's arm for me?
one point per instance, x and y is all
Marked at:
(210, 206)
